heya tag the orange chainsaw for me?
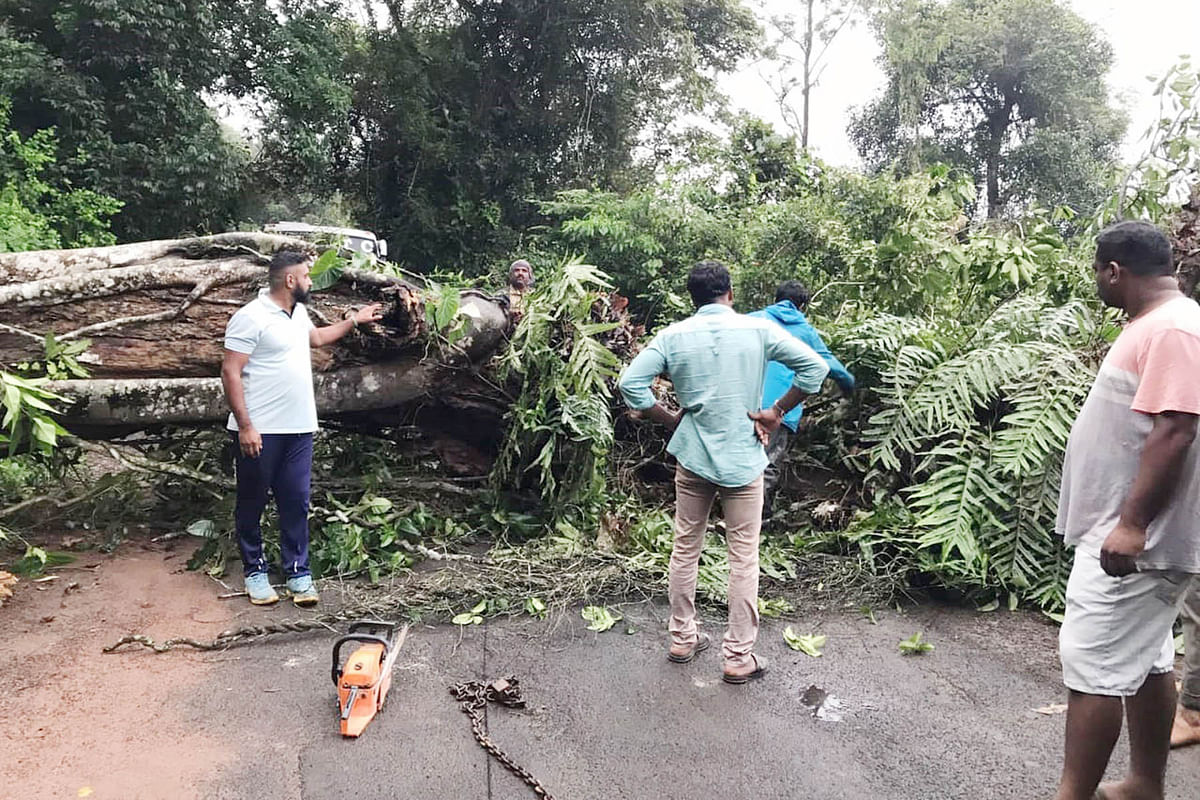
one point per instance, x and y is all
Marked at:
(363, 681)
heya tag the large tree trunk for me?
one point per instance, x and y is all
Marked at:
(155, 314)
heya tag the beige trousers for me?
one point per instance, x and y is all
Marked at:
(743, 521)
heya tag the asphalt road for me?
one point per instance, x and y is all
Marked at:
(608, 717)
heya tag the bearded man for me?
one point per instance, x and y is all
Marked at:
(267, 375)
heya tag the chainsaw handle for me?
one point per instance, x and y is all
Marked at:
(365, 638)
(372, 624)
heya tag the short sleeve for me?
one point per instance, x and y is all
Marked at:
(241, 334)
(308, 323)
(1167, 371)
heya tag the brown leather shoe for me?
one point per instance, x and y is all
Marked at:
(760, 669)
(702, 643)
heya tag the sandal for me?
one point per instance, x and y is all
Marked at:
(760, 669)
(702, 643)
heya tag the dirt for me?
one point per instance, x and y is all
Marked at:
(82, 724)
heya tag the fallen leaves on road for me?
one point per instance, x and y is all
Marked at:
(601, 618)
(809, 644)
(915, 645)
(1052, 709)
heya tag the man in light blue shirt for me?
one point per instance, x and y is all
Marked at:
(716, 360)
(791, 301)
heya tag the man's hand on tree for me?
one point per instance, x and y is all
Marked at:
(1118, 554)
(250, 441)
(371, 313)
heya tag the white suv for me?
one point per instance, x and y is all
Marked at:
(352, 239)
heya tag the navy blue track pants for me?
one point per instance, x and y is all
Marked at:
(284, 468)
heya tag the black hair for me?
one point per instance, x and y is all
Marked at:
(707, 281)
(284, 260)
(795, 291)
(1137, 246)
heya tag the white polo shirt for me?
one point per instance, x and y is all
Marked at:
(278, 378)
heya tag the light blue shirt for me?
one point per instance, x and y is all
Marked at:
(716, 360)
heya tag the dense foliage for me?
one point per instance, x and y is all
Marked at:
(434, 122)
(1011, 91)
(38, 211)
(974, 343)
(470, 132)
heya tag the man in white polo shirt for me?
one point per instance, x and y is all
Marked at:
(267, 375)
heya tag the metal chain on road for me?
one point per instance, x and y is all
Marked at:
(474, 697)
(234, 635)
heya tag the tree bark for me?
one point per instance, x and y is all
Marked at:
(998, 122)
(155, 314)
(1185, 243)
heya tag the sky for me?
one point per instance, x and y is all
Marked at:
(1148, 37)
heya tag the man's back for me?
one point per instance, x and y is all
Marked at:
(778, 377)
(716, 360)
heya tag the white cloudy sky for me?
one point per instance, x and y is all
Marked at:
(1148, 36)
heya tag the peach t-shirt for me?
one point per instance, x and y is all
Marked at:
(1154, 366)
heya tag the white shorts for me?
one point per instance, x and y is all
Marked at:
(1117, 631)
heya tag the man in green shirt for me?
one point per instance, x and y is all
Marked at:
(716, 360)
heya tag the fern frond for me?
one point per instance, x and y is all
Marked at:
(958, 501)
(971, 428)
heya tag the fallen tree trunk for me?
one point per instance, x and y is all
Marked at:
(155, 314)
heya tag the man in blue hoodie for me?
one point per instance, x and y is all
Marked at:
(791, 301)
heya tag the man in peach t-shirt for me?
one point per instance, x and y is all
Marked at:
(1130, 504)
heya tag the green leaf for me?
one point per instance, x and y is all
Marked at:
(326, 279)
(327, 270)
(379, 505)
(447, 307)
(601, 618)
(480, 607)
(774, 608)
(915, 646)
(328, 260)
(809, 644)
(535, 608)
(44, 432)
(466, 618)
(202, 527)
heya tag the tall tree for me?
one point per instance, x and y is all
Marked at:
(438, 120)
(1012, 91)
(124, 82)
(465, 111)
(801, 44)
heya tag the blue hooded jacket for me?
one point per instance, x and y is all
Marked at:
(778, 378)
